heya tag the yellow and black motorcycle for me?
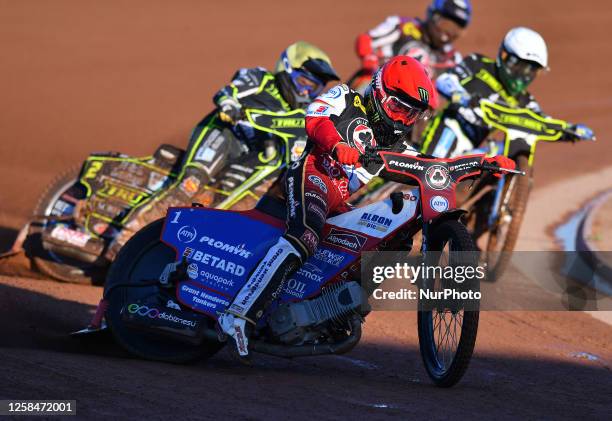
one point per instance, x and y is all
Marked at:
(497, 206)
(84, 209)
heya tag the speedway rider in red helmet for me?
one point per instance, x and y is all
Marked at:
(340, 125)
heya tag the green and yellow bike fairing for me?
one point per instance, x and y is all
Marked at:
(530, 125)
(291, 120)
(506, 118)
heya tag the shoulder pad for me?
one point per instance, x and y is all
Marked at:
(331, 102)
(412, 28)
(385, 27)
(251, 75)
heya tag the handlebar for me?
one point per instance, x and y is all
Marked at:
(371, 156)
(573, 137)
(495, 168)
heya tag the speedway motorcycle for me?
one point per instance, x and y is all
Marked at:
(84, 209)
(171, 280)
(497, 205)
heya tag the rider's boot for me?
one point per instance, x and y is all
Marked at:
(264, 285)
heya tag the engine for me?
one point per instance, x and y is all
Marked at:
(295, 323)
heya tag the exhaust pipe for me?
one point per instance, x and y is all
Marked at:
(288, 351)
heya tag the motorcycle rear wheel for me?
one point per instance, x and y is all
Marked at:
(445, 366)
(141, 260)
(55, 266)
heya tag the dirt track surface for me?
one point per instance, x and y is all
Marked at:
(535, 365)
(92, 76)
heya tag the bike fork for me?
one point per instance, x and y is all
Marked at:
(496, 203)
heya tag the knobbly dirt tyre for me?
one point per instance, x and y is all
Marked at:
(142, 259)
(499, 249)
(448, 373)
(59, 268)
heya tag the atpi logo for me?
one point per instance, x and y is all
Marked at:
(439, 203)
(186, 234)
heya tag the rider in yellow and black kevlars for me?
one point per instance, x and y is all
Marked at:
(460, 127)
(220, 139)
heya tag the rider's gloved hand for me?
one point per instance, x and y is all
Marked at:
(461, 98)
(583, 132)
(229, 111)
(502, 162)
(345, 154)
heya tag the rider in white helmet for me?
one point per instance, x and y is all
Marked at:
(459, 127)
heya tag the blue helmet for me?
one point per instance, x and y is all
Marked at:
(459, 11)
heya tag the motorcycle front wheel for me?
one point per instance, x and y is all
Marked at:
(447, 335)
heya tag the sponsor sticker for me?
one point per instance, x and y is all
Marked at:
(360, 133)
(377, 222)
(333, 93)
(156, 181)
(73, 237)
(310, 240)
(190, 185)
(316, 180)
(464, 166)
(438, 203)
(320, 110)
(406, 165)
(293, 204)
(215, 262)
(346, 240)
(235, 249)
(437, 177)
(423, 94)
(154, 313)
(192, 271)
(296, 288)
(186, 234)
(329, 257)
(219, 281)
(202, 299)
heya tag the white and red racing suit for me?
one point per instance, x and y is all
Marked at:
(314, 186)
(404, 36)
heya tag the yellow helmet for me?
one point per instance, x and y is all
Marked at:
(303, 70)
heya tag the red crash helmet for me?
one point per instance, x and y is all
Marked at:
(401, 93)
